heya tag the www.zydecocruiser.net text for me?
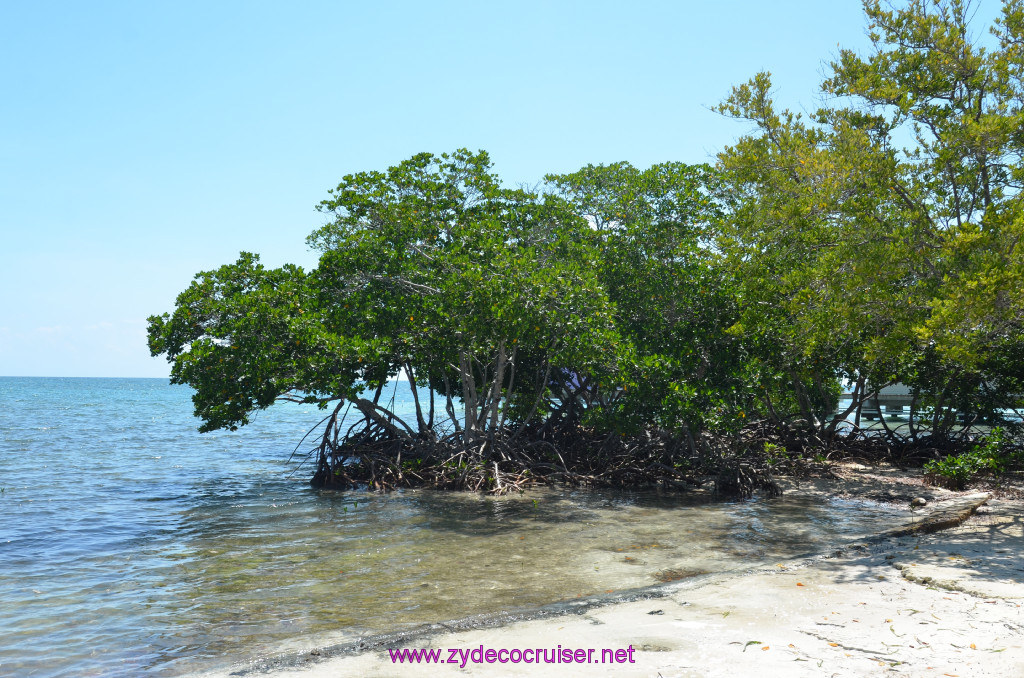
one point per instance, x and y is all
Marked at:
(530, 655)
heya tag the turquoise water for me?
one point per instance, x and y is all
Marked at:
(129, 543)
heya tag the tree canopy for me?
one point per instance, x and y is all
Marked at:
(885, 227)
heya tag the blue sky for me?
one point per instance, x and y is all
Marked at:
(143, 142)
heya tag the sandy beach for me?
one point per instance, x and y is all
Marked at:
(908, 603)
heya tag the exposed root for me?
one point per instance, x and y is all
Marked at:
(379, 454)
(371, 454)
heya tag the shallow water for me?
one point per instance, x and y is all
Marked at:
(129, 543)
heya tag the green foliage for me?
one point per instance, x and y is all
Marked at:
(675, 365)
(989, 456)
(774, 453)
(239, 335)
(876, 241)
(459, 280)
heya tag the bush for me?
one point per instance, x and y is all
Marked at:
(990, 456)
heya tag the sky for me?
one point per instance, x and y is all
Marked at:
(141, 143)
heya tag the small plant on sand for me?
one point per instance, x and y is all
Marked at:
(989, 456)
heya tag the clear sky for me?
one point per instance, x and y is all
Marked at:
(141, 142)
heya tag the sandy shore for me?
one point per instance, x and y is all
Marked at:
(945, 603)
